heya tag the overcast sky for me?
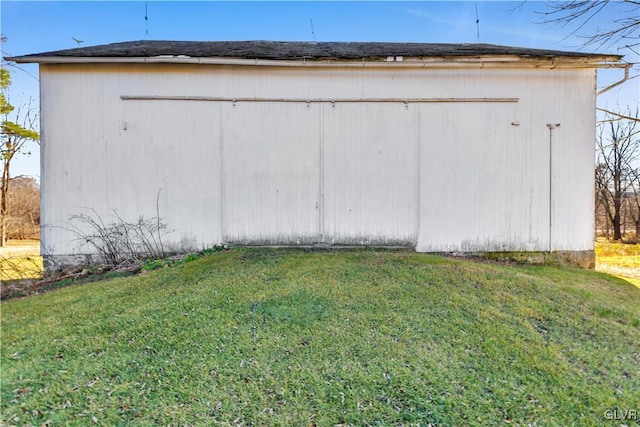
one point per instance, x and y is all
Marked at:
(33, 27)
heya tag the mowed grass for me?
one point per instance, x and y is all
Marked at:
(619, 259)
(288, 337)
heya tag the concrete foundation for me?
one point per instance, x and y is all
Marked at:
(581, 259)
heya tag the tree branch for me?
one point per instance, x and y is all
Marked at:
(620, 116)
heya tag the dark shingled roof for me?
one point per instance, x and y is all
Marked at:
(299, 50)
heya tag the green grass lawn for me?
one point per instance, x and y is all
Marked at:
(363, 337)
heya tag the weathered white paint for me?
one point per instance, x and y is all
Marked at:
(271, 174)
(440, 176)
(370, 174)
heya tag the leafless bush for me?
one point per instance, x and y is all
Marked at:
(120, 241)
(24, 208)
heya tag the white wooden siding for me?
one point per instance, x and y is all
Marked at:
(370, 174)
(160, 156)
(271, 174)
(440, 176)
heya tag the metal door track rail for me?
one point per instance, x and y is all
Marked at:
(310, 101)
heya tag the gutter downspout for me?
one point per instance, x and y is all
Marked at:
(551, 127)
(619, 82)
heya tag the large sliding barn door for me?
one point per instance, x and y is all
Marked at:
(370, 181)
(164, 162)
(484, 181)
(271, 172)
(301, 173)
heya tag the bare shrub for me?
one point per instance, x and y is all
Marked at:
(120, 241)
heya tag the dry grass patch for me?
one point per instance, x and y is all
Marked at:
(619, 259)
(20, 260)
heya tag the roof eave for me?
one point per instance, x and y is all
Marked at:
(481, 61)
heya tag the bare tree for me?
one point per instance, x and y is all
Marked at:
(623, 32)
(634, 201)
(576, 14)
(618, 147)
(603, 223)
(14, 136)
(24, 207)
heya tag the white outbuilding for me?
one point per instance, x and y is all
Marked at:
(468, 148)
